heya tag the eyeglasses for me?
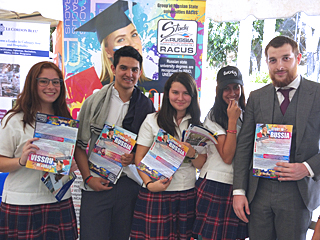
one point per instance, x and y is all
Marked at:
(43, 82)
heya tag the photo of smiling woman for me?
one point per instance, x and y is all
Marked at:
(215, 218)
(115, 30)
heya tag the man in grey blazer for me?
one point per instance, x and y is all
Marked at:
(280, 209)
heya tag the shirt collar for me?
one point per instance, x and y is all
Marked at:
(115, 93)
(185, 118)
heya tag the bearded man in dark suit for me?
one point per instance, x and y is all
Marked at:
(282, 208)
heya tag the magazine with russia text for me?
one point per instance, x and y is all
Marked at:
(57, 141)
(164, 157)
(272, 144)
(105, 158)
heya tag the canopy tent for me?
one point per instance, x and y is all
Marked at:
(236, 10)
(34, 10)
(217, 10)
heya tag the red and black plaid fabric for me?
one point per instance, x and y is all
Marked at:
(215, 218)
(38, 222)
(164, 215)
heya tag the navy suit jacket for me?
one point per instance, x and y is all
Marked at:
(259, 110)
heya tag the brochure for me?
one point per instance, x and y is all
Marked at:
(58, 184)
(272, 144)
(164, 157)
(198, 136)
(105, 158)
(57, 140)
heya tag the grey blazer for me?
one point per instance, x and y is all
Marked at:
(259, 110)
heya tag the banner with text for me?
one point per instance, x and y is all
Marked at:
(168, 34)
(22, 44)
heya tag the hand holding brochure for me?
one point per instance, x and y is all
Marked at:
(272, 144)
(57, 139)
(198, 136)
(164, 157)
(105, 158)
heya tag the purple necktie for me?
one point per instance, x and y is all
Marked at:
(284, 105)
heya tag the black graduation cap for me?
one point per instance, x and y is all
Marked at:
(263, 125)
(108, 21)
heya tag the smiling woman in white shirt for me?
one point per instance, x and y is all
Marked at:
(215, 218)
(165, 209)
(28, 209)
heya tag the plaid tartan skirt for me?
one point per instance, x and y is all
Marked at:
(44, 221)
(215, 218)
(167, 215)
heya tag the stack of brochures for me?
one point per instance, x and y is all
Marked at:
(105, 158)
(164, 157)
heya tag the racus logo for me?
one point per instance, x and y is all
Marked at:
(2, 28)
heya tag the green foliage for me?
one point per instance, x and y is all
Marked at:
(260, 77)
(258, 26)
(279, 23)
(223, 39)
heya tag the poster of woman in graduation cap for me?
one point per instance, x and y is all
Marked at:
(114, 30)
(97, 28)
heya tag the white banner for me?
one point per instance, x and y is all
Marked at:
(22, 44)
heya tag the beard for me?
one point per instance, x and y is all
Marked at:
(283, 82)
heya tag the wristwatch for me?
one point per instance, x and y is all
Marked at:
(195, 155)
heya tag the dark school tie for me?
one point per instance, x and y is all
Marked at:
(284, 105)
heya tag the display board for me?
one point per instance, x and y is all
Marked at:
(168, 34)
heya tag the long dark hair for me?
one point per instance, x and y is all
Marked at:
(28, 100)
(167, 112)
(218, 112)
